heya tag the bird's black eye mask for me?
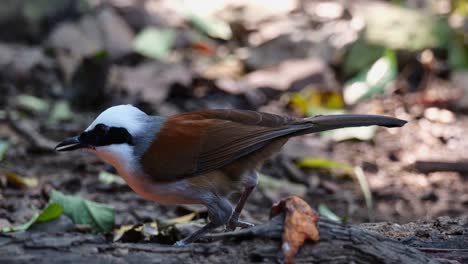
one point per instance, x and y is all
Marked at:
(102, 135)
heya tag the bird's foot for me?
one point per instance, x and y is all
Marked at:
(196, 235)
(235, 222)
(181, 243)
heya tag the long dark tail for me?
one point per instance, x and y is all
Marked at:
(328, 122)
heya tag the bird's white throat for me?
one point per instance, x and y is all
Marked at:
(120, 156)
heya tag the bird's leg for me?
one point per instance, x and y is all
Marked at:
(219, 211)
(251, 181)
(234, 221)
(195, 235)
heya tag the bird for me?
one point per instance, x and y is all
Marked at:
(200, 157)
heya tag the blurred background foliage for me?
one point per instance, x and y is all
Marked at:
(91, 53)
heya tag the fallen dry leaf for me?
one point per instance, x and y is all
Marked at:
(300, 223)
(178, 220)
(136, 233)
(148, 231)
(15, 180)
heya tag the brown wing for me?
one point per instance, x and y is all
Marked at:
(199, 142)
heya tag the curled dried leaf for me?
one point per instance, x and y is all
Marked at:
(300, 223)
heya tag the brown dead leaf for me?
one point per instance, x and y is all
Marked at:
(228, 68)
(15, 180)
(300, 223)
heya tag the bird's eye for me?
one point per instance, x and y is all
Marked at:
(101, 129)
(102, 135)
(87, 137)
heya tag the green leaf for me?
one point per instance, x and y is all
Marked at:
(360, 56)
(109, 178)
(403, 28)
(51, 212)
(22, 227)
(372, 81)
(32, 103)
(4, 144)
(211, 26)
(457, 47)
(101, 55)
(458, 53)
(319, 163)
(81, 211)
(327, 213)
(60, 112)
(154, 43)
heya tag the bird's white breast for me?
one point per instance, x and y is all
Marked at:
(121, 156)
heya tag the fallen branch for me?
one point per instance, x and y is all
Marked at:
(434, 166)
(338, 244)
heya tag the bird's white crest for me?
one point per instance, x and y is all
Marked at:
(126, 116)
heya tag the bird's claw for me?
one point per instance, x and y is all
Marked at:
(181, 243)
(232, 225)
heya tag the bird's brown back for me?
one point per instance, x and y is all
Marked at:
(196, 143)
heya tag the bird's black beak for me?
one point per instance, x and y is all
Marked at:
(70, 144)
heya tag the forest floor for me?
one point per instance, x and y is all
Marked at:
(65, 64)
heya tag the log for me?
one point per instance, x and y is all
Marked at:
(367, 243)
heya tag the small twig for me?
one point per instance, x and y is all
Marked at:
(244, 233)
(442, 249)
(435, 166)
